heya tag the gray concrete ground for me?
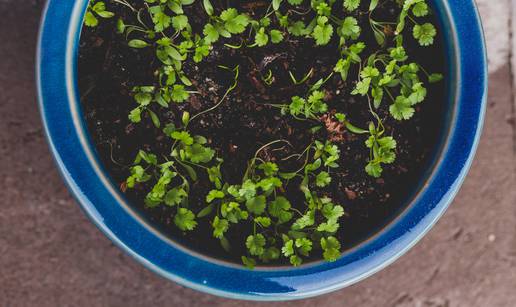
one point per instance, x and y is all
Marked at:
(51, 255)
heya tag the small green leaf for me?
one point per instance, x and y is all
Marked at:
(135, 115)
(263, 221)
(90, 20)
(350, 28)
(248, 190)
(297, 28)
(180, 22)
(154, 118)
(214, 194)
(276, 4)
(373, 5)
(137, 43)
(305, 221)
(420, 9)
(261, 38)
(295, 260)
(225, 244)
(208, 7)
(179, 93)
(304, 246)
(331, 248)
(234, 23)
(173, 53)
(185, 118)
(269, 168)
(323, 31)
(255, 244)
(256, 205)
(106, 14)
(351, 5)
(288, 248)
(276, 36)
(401, 108)
(185, 219)
(182, 136)
(330, 226)
(191, 172)
(425, 34)
(120, 26)
(287, 176)
(433, 78)
(322, 179)
(374, 169)
(250, 263)
(211, 33)
(175, 196)
(332, 212)
(220, 226)
(206, 211)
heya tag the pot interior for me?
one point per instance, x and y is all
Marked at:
(372, 219)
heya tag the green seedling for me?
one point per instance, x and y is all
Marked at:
(281, 229)
(96, 10)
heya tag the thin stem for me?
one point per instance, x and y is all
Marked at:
(412, 19)
(424, 70)
(253, 160)
(231, 88)
(389, 93)
(123, 2)
(194, 164)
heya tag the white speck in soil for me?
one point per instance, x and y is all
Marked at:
(491, 238)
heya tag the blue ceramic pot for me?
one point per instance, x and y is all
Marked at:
(107, 208)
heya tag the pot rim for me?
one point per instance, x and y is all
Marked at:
(69, 142)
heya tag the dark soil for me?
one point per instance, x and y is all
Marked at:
(108, 70)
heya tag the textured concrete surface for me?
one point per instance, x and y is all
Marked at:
(51, 255)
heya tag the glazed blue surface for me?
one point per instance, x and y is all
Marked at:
(75, 157)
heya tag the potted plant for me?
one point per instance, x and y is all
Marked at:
(263, 149)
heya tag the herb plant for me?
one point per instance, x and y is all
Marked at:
(280, 229)
(96, 10)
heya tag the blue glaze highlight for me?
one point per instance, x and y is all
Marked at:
(101, 201)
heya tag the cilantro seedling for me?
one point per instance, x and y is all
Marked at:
(382, 150)
(351, 5)
(310, 107)
(96, 9)
(390, 83)
(424, 33)
(323, 31)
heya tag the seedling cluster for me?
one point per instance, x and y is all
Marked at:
(95, 10)
(280, 229)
